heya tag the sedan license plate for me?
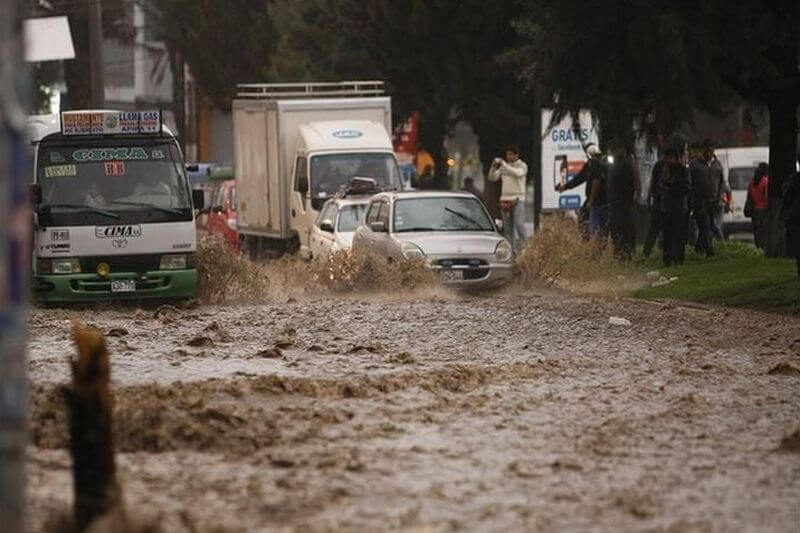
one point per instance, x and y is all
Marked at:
(449, 276)
(123, 285)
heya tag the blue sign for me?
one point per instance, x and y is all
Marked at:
(347, 134)
(569, 201)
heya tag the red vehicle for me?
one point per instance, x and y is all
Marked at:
(222, 214)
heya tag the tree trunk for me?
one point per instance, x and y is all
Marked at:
(89, 408)
(782, 157)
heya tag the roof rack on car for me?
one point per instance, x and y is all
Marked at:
(359, 186)
(274, 91)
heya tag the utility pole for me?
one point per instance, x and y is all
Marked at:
(97, 97)
(14, 261)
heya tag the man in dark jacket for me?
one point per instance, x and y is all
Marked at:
(790, 216)
(591, 171)
(623, 188)
(703, 201)
(654, 204)
(721, 189)
(676, 187)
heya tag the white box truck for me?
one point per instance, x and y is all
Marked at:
(295, 146)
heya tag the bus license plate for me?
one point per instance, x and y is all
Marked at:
(123, 285)
(449, 276)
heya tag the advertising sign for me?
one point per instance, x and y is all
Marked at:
(110, 122)
(563, 158)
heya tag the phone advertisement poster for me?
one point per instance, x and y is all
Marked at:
(563, 158)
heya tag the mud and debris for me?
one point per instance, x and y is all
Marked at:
(437, 411)
(310, 401)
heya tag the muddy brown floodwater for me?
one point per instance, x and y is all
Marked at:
(438, 412)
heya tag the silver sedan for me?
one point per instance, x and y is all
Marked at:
(451, 232)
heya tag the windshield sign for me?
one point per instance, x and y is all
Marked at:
(440, 214)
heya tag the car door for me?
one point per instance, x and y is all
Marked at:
(363, 238)
(321, 240)
(380, 242)
(301, 212)
(216, 216)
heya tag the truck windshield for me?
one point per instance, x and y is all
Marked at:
(330, 172)
(125, 177)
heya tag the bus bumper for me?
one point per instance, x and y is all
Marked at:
(71, 288)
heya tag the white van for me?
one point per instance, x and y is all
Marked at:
(738, 166)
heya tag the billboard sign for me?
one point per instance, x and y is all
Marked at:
(563, 158)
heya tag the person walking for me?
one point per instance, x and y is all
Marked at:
(676, 187)
(790, 215)
(623, 188)
(757, 196)
(654, 205)
(703, 201)
(512, 172)
(591, 170)
(721, 190)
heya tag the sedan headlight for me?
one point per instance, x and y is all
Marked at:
(412, 251)
(503, 253)
(173, 262)
(66, 266)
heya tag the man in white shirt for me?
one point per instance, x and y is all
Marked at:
(513, 172)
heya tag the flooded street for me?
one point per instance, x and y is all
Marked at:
(437, 412)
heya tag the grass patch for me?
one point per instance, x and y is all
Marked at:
(738, 275)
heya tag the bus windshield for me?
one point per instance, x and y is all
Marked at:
(113, 176)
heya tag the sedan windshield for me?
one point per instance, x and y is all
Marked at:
(350, 217)
(440, 214)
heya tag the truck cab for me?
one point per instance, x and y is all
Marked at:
(113, 211)
(329, 155)
(298, 145)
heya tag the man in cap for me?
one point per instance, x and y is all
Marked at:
(593, 171)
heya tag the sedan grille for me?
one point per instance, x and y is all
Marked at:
(461, 263)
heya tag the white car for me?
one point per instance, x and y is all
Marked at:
(738, 166)
(333, 230)
(451, 231)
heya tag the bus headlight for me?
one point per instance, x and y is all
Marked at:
(65, 266)
(172, 262)
(503, 252)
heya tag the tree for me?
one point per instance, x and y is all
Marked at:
(659, 61)
(224, 42)
(760, 60)
(117, 24)
(437, 57)
(625, 61)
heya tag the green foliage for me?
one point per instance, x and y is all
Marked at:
(437, 57)
(738, 275)
(224, 42)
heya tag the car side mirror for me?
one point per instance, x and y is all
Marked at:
(198, 198)
(499, 223)
(192, 167)
(326, 225)
(378, 226)
(302, 184)
(36, 194)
